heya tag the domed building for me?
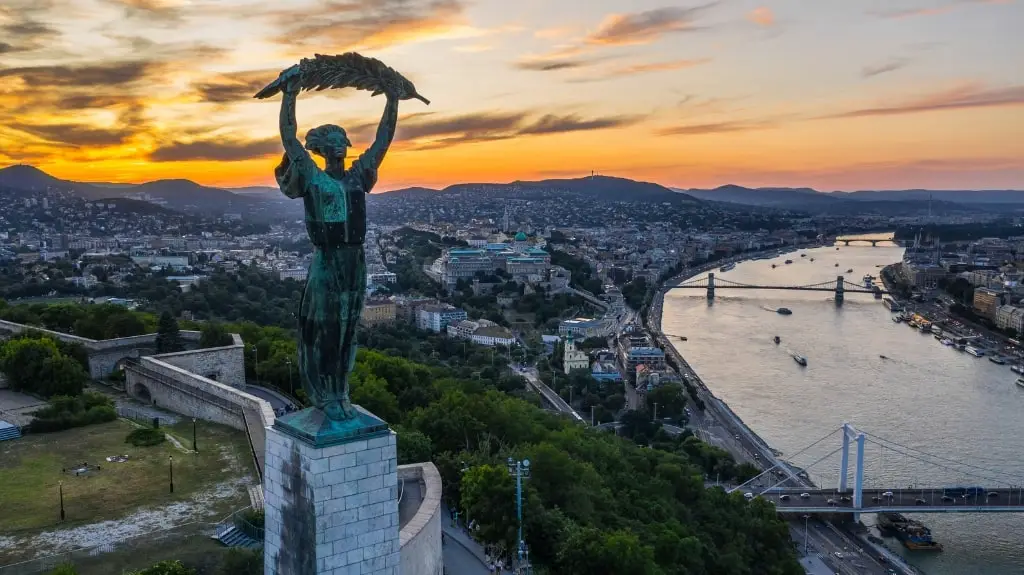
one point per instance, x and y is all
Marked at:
(520, 243)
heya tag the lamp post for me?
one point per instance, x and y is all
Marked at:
(60, 487)
(291, 388)
(170, 469)
(806, 517)
(256, 368)
(194, 446)
(520, 469)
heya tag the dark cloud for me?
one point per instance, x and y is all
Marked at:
(6, 48)
(156, 11)
(425, 126)
(553, 124)
(439, 132)
(76, 134)
(113, 74)
(958, 99)
(940, 8)
(217, 150)
(550, 65)
(715, 128)
(28, 29)
(645, 27)
(891, 66)
(228, 88)
(368, 23)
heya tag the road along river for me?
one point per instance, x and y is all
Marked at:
(924, 396)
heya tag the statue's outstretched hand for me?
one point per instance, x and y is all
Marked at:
(290, 79)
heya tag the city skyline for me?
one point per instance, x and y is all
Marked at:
(833, 96)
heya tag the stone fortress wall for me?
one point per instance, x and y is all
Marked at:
(104, 354)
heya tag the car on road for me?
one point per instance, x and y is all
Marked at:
(876, 499)
(748, 496)
(831, 502)
(947, 498)
(783, 497)
(845, 499)
(838, 554)
(888, 495)
(805, 496)
(920, 501)
(993, 494)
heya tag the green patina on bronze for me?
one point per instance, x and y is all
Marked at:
(335, 206)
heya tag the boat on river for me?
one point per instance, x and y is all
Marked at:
(800, 359)
(778, 340)
(727, 267)
(789, 261)
(911, 533)
(849, 271)
(773, 266)
(784, 311)
(997, 360)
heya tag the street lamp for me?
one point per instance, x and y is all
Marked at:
(520, 469)
(194, 447)
(291, 388)
(256, 369)
(170, 469)
(806, 518)
(60, 487)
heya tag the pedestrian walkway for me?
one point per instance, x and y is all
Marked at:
(462, 555)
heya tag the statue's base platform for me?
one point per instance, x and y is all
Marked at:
(331, 495)
(312, 426)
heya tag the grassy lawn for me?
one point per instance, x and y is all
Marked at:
(30, 470)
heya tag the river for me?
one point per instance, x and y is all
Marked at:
(925, 396)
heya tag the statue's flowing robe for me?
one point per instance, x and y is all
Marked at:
(333, 296)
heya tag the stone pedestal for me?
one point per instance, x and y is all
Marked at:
(331, 497)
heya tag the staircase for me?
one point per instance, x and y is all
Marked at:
(9, 431)
(256, 496)
(231, 536)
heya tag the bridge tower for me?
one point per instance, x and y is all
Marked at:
(711, 285)
(839, 290)
(849, 432)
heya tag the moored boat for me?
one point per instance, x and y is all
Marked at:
(1020, 382)
(974, 351)
(1018, 369)
(997, 360)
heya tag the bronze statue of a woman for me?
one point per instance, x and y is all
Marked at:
(335, 206)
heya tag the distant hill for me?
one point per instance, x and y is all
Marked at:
(177, 195)
(955, 196)
(889, 202)
(767, 197)
(602, 188)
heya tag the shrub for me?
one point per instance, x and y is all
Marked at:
(64, 569)
(65, 412)
(145, 437)
(166, 568)
(242, 562)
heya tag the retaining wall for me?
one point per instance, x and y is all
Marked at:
(420, 538)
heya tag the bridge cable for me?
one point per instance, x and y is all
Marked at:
(953, 461)
(945, 467)
(788, 471)
(820, 459)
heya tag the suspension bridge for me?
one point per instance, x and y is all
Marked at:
(838, 286)
(972, 488)
(860, 241)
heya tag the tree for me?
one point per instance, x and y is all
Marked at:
(64, 569)
(590, 550)
(166, 568)
(36, 365)
(669, 398)
(239, 561)
(413, 446)
(168, 337)
(489, 498)
(213, 334)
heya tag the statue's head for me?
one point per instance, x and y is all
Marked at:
(328, 141)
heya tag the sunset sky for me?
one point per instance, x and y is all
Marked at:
(832, 94)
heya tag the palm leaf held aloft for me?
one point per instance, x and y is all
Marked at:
(349, 70)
